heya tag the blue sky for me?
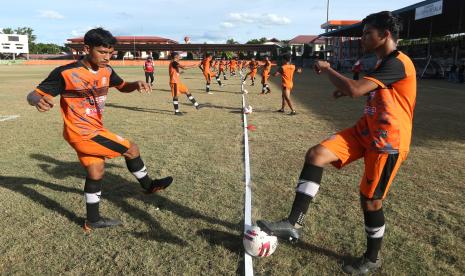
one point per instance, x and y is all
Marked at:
(203, 21)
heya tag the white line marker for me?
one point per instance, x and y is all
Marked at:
(8, 117)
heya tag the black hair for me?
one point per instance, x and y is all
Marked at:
(287, 57)
(99, 37)
(383, 21)
(174, 54)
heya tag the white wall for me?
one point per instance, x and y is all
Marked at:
(13, 43)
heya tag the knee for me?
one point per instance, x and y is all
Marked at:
(96, 171)
(371, 204)
(317, 156)
(132, 152)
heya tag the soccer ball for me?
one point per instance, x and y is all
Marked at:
(258, 243)
(248, 110)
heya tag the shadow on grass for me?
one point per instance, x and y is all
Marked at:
(139, 109)
(119, 191)
(229, 241)
(438, 115)
(322, 251)
(214, 106)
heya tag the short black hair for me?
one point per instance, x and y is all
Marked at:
(174, 54)
(383, 21)
(99, 37)
(287, 57)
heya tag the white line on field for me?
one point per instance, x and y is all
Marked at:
(248, 266)
(8, 117)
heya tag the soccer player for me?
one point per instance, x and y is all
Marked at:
(148, 69)
(221, 69)
(83, 88)
(381, 137)
(287, 81)
(177, 87)
(265, 75)
(253, 67)
(207, 73)
(232, 67)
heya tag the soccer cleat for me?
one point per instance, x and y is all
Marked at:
(159, 184)
(178, 113)
(210, 93)
(199, 106)
(282, 229)
(361, 266)
(293, 112)
(102, 223)
(280, 110)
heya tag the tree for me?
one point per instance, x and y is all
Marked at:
(27, 31)
(257, 41)
(7, 30)
(231, 41)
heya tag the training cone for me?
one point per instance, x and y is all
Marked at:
(251, 127)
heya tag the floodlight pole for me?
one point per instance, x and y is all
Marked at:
(326, 30)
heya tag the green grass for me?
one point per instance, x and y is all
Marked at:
(195, 227)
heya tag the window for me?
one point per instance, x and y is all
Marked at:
(13, 38)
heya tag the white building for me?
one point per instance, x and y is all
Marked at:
(14, 44)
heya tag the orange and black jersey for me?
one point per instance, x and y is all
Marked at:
(386, 125)
(83, 94)
(174, 72)
(253, 65)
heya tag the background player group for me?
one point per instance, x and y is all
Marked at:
(381, 137)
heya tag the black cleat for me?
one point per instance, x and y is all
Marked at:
(199, 106)
(159, 184)
(361, 266)
(293, 112)
(102, 223)
(282, 229)
(179, 113)
(280, 110)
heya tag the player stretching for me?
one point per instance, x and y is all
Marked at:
(207, 73)
(381, 137)
(287, 81)
(83, 88)
(253, 67)
(177, 87)
(222, 67)
(265, 75)
(232, 67)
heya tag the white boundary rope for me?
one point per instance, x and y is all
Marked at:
(248, 266)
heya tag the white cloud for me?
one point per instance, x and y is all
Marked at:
(264, 19)
(49, 14)
(227, 25)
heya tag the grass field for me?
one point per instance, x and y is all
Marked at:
(195, 227)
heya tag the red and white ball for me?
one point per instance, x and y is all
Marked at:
(257, 243)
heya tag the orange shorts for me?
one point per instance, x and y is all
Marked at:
(287, 87)
(104, 145)
(178, 88)
(209, 75)
(253, 73)
(380, 168)
(265, 77)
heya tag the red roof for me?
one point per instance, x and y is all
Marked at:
(306, 39)
(132, 39)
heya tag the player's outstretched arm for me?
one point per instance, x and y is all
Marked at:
(42, 103)
(140, 86)
(347, 86)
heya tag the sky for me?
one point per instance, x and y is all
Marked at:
(54, 21)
